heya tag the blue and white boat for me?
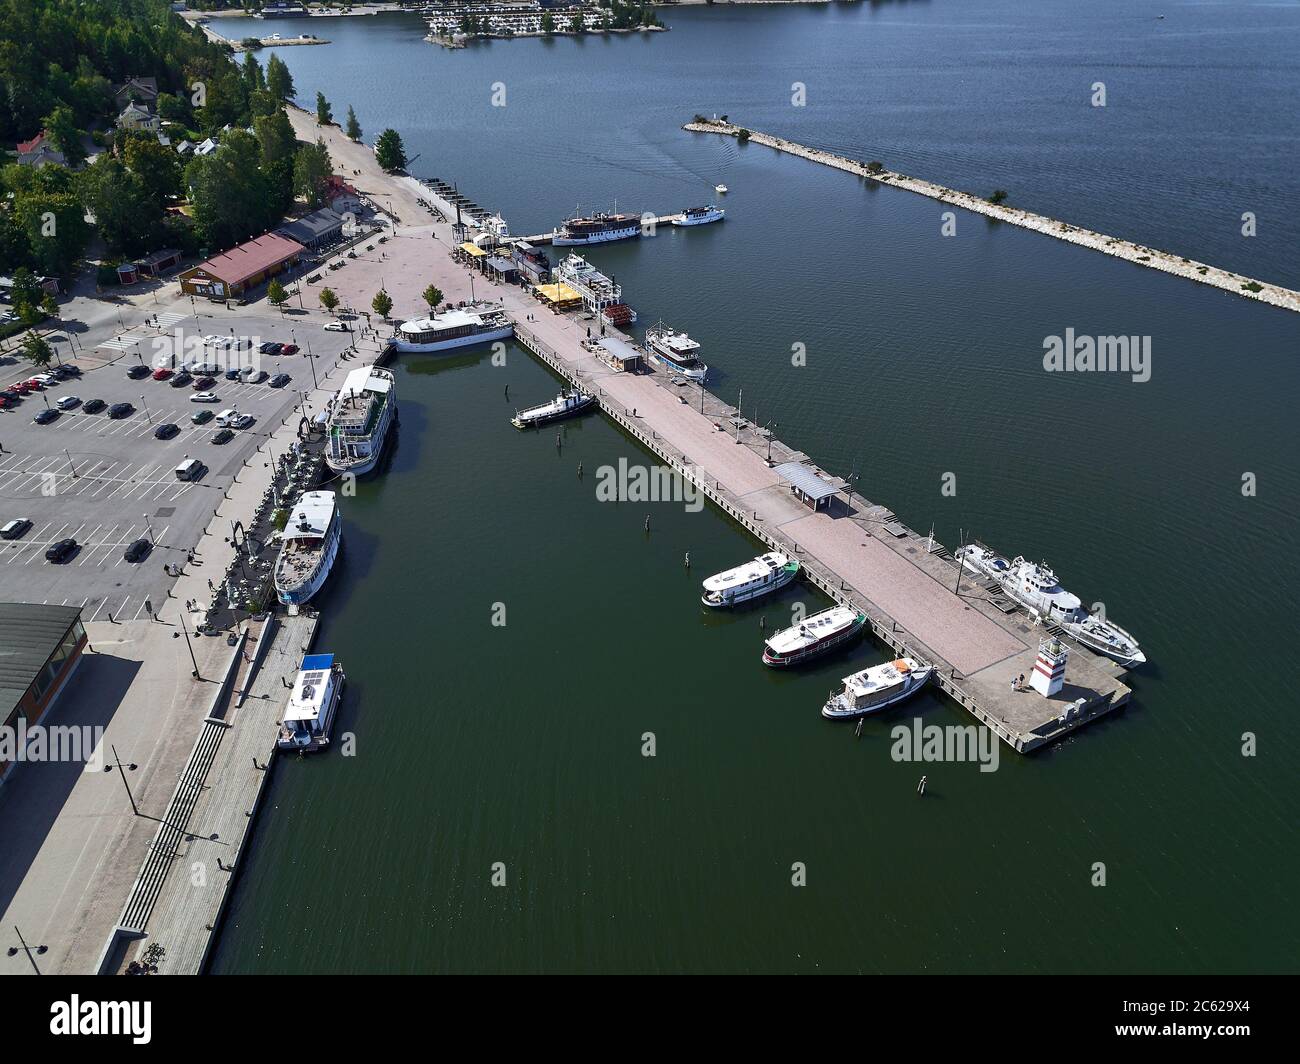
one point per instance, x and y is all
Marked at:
(675, 351)
(700, 215)
(309, 544)
(309, 716)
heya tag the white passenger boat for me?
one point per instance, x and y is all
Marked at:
(1035, 586)
(816, 635)
(309, 716)
(675, 351)
(756, 578)
(358, 419)
(598, 228)
(310, 543)
(700, 215)
(876, 688)
(474, 323)
(566, 404)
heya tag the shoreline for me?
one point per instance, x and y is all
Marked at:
(1138, 254)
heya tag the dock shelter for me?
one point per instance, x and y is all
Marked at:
(558, 295)
(619, 354)
(502, 269)
(808, 486)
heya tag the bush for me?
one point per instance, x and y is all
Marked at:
(742, 135)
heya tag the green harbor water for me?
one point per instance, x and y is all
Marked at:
(523, 743)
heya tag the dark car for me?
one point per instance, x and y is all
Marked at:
(165, 431)
(65, 372)
(265, 348)
(15, 529)
(11, 395)
(279, 380)
(181, 379)
(137, 372)
(289, 349)
(201, 417)
(60, 551)
(118, 410)
(93, 406)
(46, 416)
(271, 348)
(137, 550)
(222, 436)
(204, 383)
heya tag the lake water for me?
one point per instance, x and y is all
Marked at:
(522, 744)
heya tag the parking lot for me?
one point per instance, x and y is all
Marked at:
(107, 482)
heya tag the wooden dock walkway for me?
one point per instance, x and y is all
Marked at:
(1138, 254)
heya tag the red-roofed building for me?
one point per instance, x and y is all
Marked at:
(234, 272)
(340, 196)
(38, 151)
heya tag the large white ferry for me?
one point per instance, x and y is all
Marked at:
(598, 228)
(309, 716)
(600, 294)
(815, 635)
(1035, 586)
(358, 420)
(675, 351)
(765, 574)
(566, 404)
(310, 543)
(876, 688)
(474, 323)
(700, 215)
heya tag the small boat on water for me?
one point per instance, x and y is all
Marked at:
(310, 541)
(566, 404)
(756, 578)
(720, 189)
(700, 215)
(309, 716)
(675, 351)
(816, 635)
(876, 688)
(474, 323)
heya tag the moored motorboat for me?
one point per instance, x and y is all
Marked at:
(700, 215)
(874, 689)
(756, 578)
(566, 404)
(675, 351)
(813, 636)
(309, 716)
(474, 323)
(310, 543)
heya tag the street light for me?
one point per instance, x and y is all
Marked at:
(189, 646)
(150, 528)
(147, 417)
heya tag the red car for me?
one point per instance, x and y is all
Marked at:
(161, 374)
(22, 387)
(204, 383)
(289, 349)
(34, 385)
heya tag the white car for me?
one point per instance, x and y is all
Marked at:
(67, 402)
(251, 375)
(240, 421)
(336, 326)
(203, 397)
(45, 379)
(204, 369)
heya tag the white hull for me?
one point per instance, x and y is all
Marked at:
(318, 742)
(747, 592)
(596, 238)
(302, 593)
(697, 374)
(700, 219)
(556, 410)
(360, 467)
(839, 708)
(406, 347)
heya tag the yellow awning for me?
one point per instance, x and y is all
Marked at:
(558, 293)
(471, 249)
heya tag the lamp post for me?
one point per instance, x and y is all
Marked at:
(147, 416)
(189, 646)
(118, 762)
(149, 525)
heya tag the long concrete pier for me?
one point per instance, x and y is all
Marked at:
(1237, 284)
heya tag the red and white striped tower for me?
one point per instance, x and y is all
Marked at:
(1049, 670)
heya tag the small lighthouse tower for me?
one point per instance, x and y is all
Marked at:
(1049, 670)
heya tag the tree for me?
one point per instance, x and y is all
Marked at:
(311, 169)
(36, 350)
(328, 299)
(382, 304)
(276, 295)
(999, 194)
(50, 306)
(324, 116)
(432, 295)
(274, 136)
(576, 23)
(127, 216)
(279, 82)
(353, 127)
(875, 167)
(389, 153)
(55, 224)
(548, 23)
(231, 199)
(61, 126)
(158, 168)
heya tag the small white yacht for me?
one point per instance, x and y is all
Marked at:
(876, 688)
(357, 422)
(1035, 586)
(566, 404)
(720, 189)
(309, 544)
(474, 323)
(675, 351)
(700, 215)
(815, 635)
(756, 578)
(309, 716)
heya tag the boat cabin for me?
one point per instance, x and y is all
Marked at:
(310, 712)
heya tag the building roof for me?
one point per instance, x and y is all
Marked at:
(29, 634)
(501, 265)
(620, 349)
(312, 227)
(25, 147)
(251, 258)
(365, 379)
(807, 481)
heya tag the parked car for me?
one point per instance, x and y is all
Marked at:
(67, 402)
(60, 551)
(15, 529)
(232, 374)
(204, 369)
(222, 436)
(279, 380)
(138, 372)
(203, 384)
(93, 406)
(34, 385)
(161, 373)
(336, 326)
(271, 348)
(203, 397)
(200, 417)
(118, 410)
(22, 388)
(44, 379)
(181, 379)
(65, 372)
(165, 431)
(214, 340)
(240, 421)
(12, 395)
(252, 375)
(44, 417)
(289, 349)
(137, 550)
